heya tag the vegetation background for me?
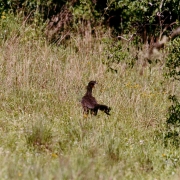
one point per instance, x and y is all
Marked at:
(50, 50)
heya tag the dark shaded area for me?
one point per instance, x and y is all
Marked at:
(46, 8)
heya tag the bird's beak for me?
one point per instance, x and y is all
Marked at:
(95, 84)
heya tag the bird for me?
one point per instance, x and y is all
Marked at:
(90, 104)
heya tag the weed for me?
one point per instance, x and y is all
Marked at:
(39, 136)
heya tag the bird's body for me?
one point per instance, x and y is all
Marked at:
(89, 102)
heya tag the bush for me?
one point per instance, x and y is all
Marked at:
(172, 134)
(116, 51)
(173, 59)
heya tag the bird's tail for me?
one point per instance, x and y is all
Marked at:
(103, 108)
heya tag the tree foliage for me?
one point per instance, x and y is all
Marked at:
(46, 8)
(146, 18)
(142, 17)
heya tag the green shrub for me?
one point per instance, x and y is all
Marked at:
(173, 59)
(117, 52)
(172, 134)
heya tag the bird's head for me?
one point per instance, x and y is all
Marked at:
(92, 84)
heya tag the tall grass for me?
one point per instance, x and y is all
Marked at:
(43, 132)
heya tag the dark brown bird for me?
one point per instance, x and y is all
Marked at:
(89, 103)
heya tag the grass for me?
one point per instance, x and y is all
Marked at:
(43, 132)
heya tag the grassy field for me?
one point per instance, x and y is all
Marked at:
(43, 132)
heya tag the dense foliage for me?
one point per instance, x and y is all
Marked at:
(145, 18)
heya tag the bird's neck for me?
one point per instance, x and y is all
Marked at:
(89, 91)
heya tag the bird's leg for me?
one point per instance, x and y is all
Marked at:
(86, 112)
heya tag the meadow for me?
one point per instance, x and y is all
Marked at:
(43, 132)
